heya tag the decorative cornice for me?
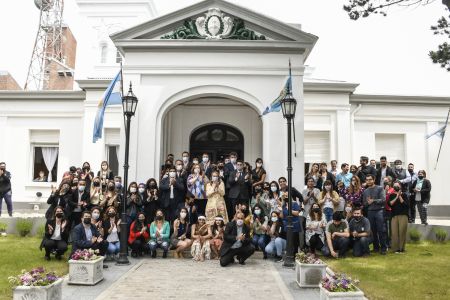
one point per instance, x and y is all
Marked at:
(42, 95)
(94, 84)
(329, 87)
(399, 99)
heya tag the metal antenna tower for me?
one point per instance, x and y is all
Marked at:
(48, 44)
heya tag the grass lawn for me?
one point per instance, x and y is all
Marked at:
(420, 273)
(18, 253)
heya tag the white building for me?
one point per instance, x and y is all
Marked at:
(206, 95)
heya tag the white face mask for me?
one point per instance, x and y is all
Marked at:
(205, 159)
(172, 174)
(195, 162)
(185, 159)
(81, 188)
(274, 219)
(398, 167)
(179, 167)
(182, 215)
(259, 165)
(240, 222)
(141, 190)
(257, 212)
(197, 171)
(273, 188)
(233, 160)
(133, 190)
(348, 209)
(95, 216)
(214, 178)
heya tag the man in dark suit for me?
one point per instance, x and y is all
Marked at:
(384, 171)
(172, 194)
(79, 202)
(86, 236)
(227, 169)
(236, 242)
(206, 165)
(240, 183)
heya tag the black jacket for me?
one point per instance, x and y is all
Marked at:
(230, 234)
(64, 233)
(178, 192)
(56, 200)
(79, 240)
(366, 171)
(73, 201)
(239, 189)
(106, 226)
(425, 191)
(389, 172)
(227, 169)
(320, 181)
(5, 184)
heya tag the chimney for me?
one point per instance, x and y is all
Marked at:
(7, 82)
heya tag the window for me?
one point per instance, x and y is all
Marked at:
(45, 154)
(317, 146)
(103, 53)
(112, 152)
(390, 145)
(45, 158)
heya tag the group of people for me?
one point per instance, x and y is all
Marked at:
(229, 209)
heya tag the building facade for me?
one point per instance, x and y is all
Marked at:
(206, 94)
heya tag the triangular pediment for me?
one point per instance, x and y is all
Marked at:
(213, 20)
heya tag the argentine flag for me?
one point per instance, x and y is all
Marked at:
(276, 104)
(111, 96)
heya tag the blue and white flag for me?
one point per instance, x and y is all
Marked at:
(111, 96)
(276, 104)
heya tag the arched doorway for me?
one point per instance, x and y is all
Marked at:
(217, 140)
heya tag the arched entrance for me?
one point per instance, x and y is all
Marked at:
(217, 140)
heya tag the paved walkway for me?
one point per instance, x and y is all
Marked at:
(186, 279)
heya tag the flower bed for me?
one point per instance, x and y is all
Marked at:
(309, 270)
(85, 267)
(36, 284)
(340, 286)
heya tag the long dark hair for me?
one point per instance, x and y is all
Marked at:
(214, 227)
(270, 187)
(261, 215)
(311, 213)
(138, 225)
(54, 213)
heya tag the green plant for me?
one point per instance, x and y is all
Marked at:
(441, 235)
(24, 227)
(3, 227)
(414, 235)
(40, 230)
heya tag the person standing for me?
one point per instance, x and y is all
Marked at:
(196, 183)
(105, 175)
(364, 170)
(325, 175)
(5, 189)
(345, 176)
(206, 165)
(421, 192)
(374, 199)
(384, 171)
(258, 174)
(399, 224)
(328, 200)
(172, 194)
(239, 183)
(215, 190)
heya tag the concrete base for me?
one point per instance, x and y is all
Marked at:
(428, 231)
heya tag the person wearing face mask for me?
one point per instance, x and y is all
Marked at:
(407, 183)
(399, 224)
(421, 189)
(186, 164)
(96, 195)
(139, 236)
(166, 168)
(79, 202)
(217, 230)
(196, 184)
(134, 202)
(259, 228)
(159, 235)
(141, 190)
(359, 228)
(171, 194)
(96, 220)
(277, 244)
(111, 198)
(215, 190)
(181, 173)
(201, 234)
(151, 199)
(58, 197)
(348, 211)
(388, 190)
(341, 192)
(190, 207)
(87, 174)
(56, 234)
(206, 165)
(354, 192)
(105, 174)
(111, 231)
(181, 233)
(328, 200)
(236, 242)
(258, 173)
(315, 229)
(240, 183)
(86, 236)
(261, 197)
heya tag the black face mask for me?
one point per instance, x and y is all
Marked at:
(96, 183)
(141, 220)
(111, 188)
(159, 218)
(152, 185)
(410, 171)
(87, 169)
(316, 210)
(87, 221)
(396, 188)
(191, 203)
(420, 177)
(357, 219)
(59, 215)
(112, 214)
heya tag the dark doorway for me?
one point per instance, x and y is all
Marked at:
(217, 140)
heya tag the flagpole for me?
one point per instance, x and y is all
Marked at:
(442, 140)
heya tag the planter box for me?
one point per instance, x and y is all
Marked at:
(49, 292)
(309, 275)
(325, 294)
(86, 272)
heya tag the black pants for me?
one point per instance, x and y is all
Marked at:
(230, 208)
(315, 243)
(201, 206)
(243, 253)
(102, 247)
(59, 246)
(139, 246)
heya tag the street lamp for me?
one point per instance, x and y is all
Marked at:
(288, 106)
(129, 104)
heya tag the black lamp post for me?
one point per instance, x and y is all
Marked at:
(129, 104)
(288, 106)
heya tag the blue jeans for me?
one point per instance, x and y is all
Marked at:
(378, 227)
(163, 245)
(328, 211)
(8, 200)
(361, 246)
(276, 246)
(113, 247)
(340, 245)
(260, 241)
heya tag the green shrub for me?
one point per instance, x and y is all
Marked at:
(441, 235)
(24, 227)
(3, 227)
(414, 235)
(40, 230)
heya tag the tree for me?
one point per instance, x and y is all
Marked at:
(364, 8)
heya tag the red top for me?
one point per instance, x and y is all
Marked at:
(134, 235)
(388, 194)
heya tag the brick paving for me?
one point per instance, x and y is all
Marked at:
(186, 279)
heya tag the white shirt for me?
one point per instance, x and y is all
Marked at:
(56, 233)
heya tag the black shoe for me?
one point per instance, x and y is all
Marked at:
(153, 254)
(241, 262)
(265, 256)
(58, 257)
(105, 266)
(47, 257)
(425, 223)
(165, 254)
(133, 254)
